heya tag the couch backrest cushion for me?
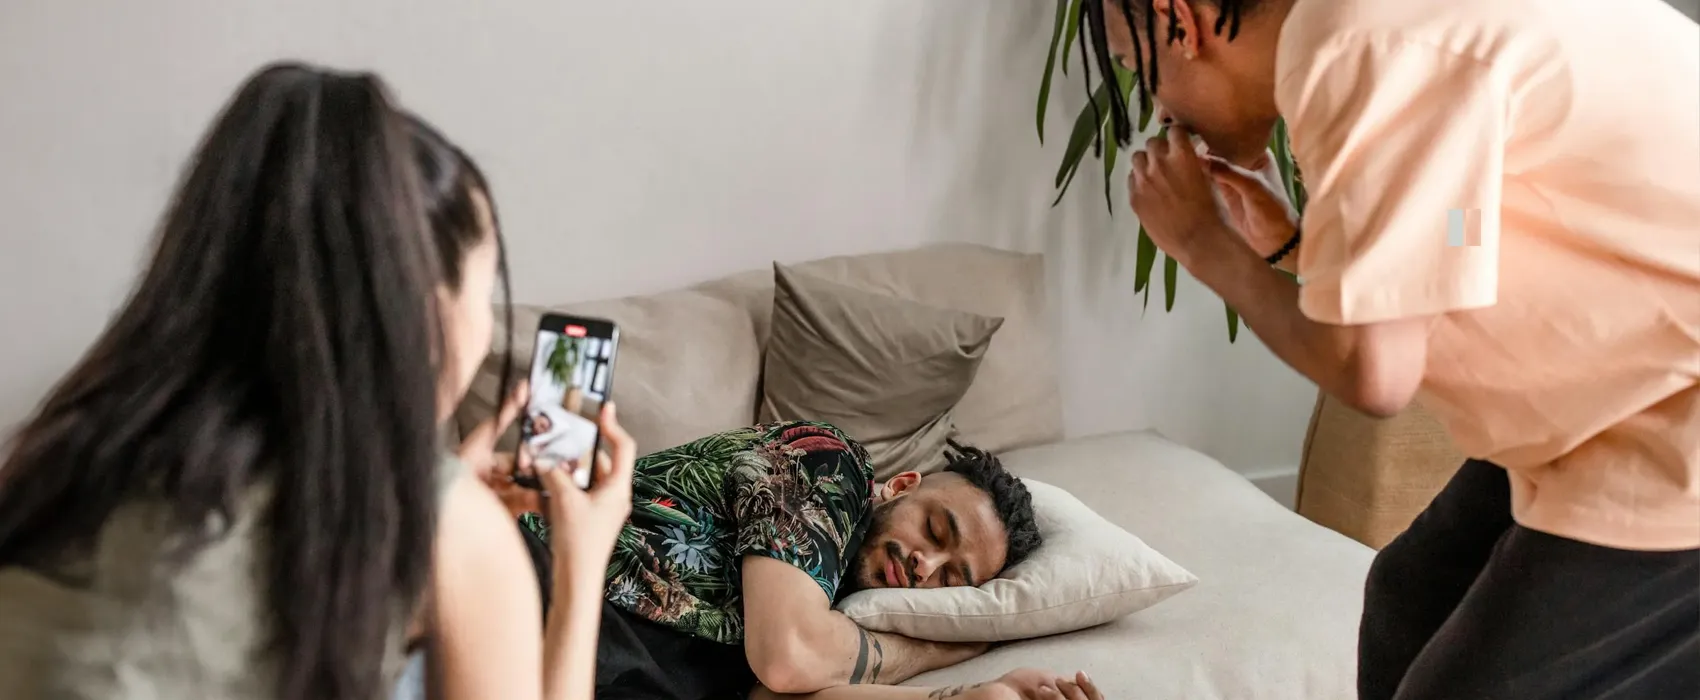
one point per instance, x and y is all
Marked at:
(886, 370)
(690, 360)
(688, 366)
(1015, 400)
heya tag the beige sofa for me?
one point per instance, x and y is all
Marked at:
(1275, 612)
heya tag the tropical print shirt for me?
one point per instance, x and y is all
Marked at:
(797, 491)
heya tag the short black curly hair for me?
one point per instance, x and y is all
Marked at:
(1009, 497)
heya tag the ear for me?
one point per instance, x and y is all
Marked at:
(1187, 31)
(896, 486)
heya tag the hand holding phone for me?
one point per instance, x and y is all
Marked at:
(594, 517)
(572, 376)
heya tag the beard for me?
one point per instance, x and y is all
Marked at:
(857, 576)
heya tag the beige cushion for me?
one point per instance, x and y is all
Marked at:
(1016, 400)
(885, 370)
(1088, 572)
(687, 366)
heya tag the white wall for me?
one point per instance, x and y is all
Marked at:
(676, 141)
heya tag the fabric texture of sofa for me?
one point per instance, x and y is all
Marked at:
(1274, 614)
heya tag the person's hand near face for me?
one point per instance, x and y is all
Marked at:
(1174, 196)
(1257, 207)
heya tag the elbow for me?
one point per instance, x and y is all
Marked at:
(782, 665)
(1385, 372)
(1379, 402)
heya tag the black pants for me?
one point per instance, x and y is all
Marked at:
(1468, 605)
(637, 659)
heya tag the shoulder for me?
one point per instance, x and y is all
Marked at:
(474, 524)
(819, 447)
(1367, 38)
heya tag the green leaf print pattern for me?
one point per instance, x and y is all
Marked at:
(795, 491)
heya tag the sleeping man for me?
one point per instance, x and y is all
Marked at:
(724, 578)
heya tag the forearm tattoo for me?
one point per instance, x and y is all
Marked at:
(951, 692)
(870, 657)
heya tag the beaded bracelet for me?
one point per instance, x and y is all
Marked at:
(1288, 247)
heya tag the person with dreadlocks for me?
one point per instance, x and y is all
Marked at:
(1503, 219)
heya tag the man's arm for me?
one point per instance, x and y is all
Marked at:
(1375, 368)
(879, 692)
(796, 642)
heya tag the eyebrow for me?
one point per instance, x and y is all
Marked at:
(956, 539)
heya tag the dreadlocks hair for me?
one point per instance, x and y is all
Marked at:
(1009, 497)
(1092, 22)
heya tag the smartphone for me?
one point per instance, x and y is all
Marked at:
(572, 375)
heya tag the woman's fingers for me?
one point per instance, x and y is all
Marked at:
(614, 465)
(558, 486)
(620, 444)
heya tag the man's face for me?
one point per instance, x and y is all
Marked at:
(540, 424)
(931, 532)
(1203, 81)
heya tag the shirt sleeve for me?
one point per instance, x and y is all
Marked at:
(1401, 146)
(808, 503)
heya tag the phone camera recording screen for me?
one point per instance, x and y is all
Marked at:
(570, 379)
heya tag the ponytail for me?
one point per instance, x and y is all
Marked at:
(283, 336)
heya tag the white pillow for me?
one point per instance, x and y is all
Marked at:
(1087, 572)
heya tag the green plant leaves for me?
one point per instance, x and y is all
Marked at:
(1073, 32)
(1283, 157)
(1171, 275)
(1233, 323)
(1085, 128)
(1146, 258)
(1050, 69)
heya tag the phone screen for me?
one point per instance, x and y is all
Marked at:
(572, 375)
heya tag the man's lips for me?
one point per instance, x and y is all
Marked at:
(893, 575)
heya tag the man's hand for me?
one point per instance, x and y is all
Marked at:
(1174, 196)
(1259, 209)
(1375, 368)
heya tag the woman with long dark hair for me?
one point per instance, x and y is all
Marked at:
(241, 490)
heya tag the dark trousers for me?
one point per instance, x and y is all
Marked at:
(637, 659)
(1468, 605)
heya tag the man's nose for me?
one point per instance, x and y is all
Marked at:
(926, 564)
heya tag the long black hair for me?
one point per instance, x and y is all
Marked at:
(1141, 18)
(284, 334)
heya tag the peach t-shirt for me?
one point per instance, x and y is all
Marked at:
(1527, 172)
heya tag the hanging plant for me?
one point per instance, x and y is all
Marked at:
(1094, 125)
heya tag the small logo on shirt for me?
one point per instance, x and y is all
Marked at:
(1463, 228)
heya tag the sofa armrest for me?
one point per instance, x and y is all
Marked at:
(1368, 478)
